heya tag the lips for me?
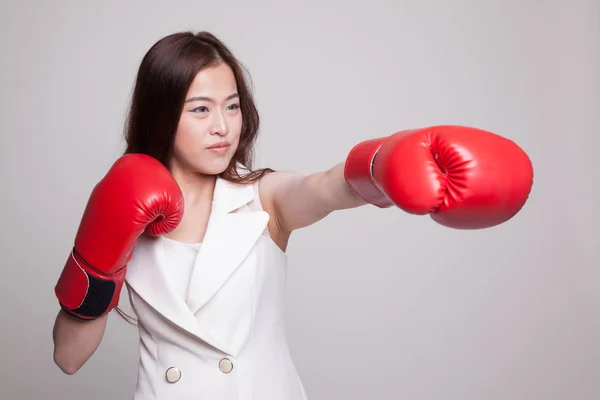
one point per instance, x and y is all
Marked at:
(219, 145)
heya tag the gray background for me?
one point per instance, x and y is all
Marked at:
(381, 304)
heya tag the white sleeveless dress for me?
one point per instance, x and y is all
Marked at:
(211, 315)
(181, 256)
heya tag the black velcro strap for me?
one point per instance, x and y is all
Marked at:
(98, 298)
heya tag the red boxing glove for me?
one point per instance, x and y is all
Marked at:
(137, 194)
(463, 177)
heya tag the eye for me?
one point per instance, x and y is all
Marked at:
(199, 109)
(233, 107)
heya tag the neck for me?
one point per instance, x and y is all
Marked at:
(197, 188)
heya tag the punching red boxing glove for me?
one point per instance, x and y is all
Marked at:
(463, 177)
(137, 194)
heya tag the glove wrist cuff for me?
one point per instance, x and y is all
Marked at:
(358, 173)
(84, 293)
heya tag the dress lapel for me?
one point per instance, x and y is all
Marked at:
(229, 237)
(146, 274)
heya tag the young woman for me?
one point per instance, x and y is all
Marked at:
(198, 237)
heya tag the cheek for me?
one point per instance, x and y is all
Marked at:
(187, 139)
(236, 129)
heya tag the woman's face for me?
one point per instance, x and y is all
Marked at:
(211, 122)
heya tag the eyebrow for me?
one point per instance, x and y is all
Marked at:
(202, 98)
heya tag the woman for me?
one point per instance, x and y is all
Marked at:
(199, 238)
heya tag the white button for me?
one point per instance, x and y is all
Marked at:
(225, 365)
(173, 374)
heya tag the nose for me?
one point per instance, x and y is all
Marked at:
(219, 125)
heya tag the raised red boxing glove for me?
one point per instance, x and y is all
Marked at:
(463, 177)
(137, 195)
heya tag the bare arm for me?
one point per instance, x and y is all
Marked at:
(75, 340)
(301, 200)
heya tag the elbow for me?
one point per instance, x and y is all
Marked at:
(69, 371)
(66, 366)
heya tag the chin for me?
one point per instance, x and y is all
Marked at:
(215, 168)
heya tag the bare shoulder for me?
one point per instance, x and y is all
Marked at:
(270, 184)
(273, 182)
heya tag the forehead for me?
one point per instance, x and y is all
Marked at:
(216, 81)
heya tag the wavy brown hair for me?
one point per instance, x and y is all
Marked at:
(163, 80)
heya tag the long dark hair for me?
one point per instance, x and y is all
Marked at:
(164, 77)
(163, 80)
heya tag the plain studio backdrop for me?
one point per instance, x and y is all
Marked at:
(381, 304)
